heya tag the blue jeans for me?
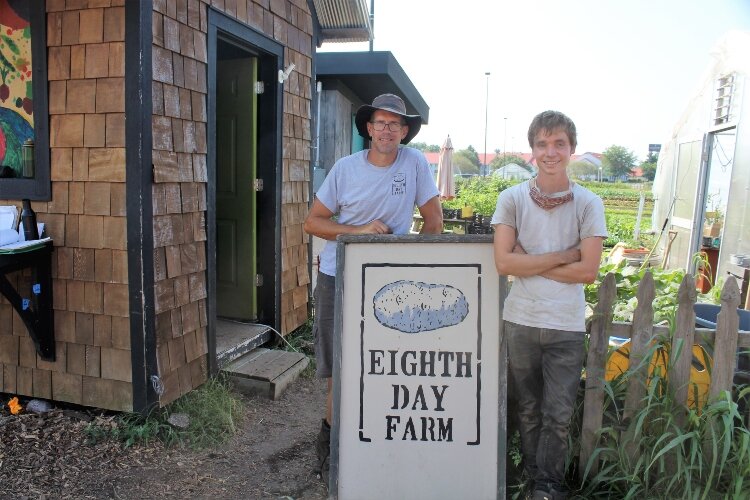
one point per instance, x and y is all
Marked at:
(545, 370)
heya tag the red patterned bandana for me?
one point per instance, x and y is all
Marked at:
(549, 201)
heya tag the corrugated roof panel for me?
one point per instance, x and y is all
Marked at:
(344, 20)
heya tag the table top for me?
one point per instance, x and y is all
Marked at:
(24, 246)
(25, 256)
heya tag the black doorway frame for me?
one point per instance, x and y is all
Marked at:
(270, 55)
(139, 204)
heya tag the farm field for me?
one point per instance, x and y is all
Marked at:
(621, 202)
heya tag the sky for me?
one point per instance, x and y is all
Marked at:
(623, 70)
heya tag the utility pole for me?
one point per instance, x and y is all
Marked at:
(486, 107)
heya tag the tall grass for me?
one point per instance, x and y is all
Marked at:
(213, 410)
(706, 457)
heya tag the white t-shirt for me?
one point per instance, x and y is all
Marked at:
(537, 301)
(359, 192)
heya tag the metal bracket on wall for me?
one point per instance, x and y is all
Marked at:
(35, 310)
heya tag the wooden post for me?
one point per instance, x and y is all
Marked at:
(682, 344)
(725, 352)
(640, 339)
(593, 403)
(725, 344)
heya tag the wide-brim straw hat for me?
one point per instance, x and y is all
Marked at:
(393, 104)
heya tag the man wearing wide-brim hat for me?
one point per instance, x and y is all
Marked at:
(373, 191)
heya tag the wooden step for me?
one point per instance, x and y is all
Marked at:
(234, 339)
(266, 372)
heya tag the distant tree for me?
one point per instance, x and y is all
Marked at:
(472, 154)
(464, 165)
(649, 169)
(618, 160)
(501, 161)
(583, 170)
(424, 147)
(466, 160)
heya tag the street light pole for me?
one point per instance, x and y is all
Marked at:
(505, 134)
(486, 107)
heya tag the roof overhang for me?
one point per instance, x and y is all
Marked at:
(343, 20)
(367, 75)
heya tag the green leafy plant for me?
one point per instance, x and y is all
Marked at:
(517, 480)
(480, 193)
(620, 202)
(622, 227)
(666, 281)
(131, 429)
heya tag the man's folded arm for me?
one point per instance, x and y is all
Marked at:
(511, 260)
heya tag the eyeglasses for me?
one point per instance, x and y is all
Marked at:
(392, 126)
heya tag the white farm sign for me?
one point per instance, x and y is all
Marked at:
(419, 374)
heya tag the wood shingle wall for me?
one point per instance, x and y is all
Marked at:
(180, 175)
(295, 274)
(179, 194)
(86, 216)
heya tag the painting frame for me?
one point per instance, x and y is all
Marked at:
(39, 187)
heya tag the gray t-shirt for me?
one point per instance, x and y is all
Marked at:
(360, 192)
(537, 301)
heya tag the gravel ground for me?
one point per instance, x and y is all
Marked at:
(272, 456)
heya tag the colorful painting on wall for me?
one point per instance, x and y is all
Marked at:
(16, 90)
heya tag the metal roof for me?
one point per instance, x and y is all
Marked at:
(343, 20)
(369, 74)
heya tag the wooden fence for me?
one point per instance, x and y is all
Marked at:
(725, 338)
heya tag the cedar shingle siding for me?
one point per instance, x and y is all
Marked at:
(86, 216)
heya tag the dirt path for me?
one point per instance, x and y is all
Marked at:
(272, 456)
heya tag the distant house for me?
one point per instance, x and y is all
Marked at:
(593, 158)
(513, 171)
(432, 159)
(636, 173)
(489, 157)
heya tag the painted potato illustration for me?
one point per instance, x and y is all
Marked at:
(413, 306)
